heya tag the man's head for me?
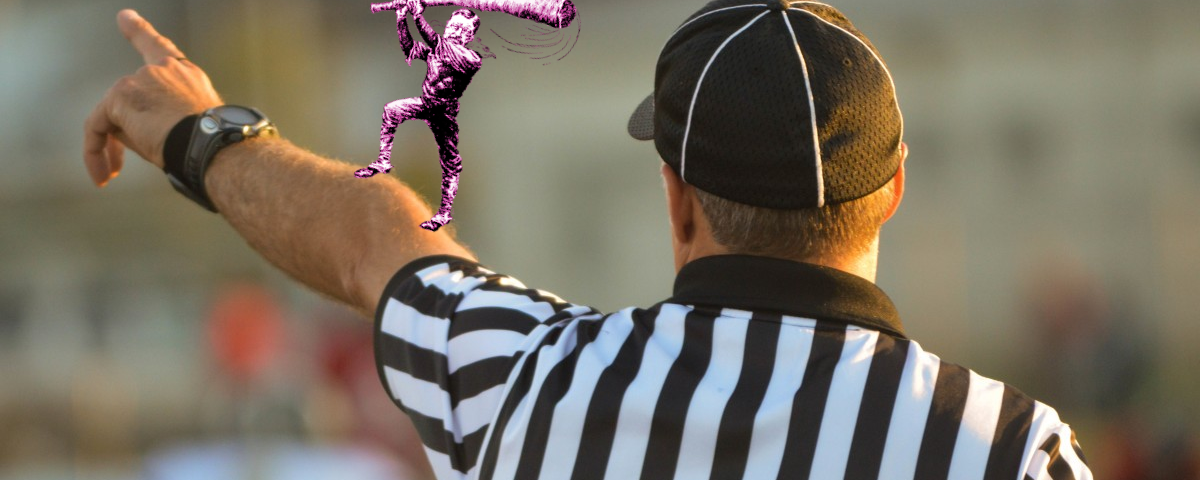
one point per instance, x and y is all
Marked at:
(462, 26)
(780, 122)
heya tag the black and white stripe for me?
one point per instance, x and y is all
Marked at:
(506, 382)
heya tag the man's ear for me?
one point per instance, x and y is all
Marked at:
(679, 206)
(898, 186)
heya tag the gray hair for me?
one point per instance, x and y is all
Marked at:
(841, 229)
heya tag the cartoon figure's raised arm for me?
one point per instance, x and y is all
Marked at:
(406, 41)
(427, 32)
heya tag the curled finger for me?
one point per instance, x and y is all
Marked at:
(115, 153)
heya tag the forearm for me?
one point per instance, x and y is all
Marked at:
(310, 217)
(406, 41)
(427, 31)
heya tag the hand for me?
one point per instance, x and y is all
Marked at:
(140, 109)
(417, 6)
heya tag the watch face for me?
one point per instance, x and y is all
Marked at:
(239, 116)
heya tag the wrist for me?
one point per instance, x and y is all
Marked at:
(157, 155)
(227, 171)
(195, 141)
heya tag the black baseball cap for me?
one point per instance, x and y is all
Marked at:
(775, 104)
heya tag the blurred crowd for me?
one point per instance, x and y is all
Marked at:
(276, 394)
(1088, 357)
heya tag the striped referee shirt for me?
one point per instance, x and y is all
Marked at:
(755, 368)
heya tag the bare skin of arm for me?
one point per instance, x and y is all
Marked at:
(311, 218)
(305, 214)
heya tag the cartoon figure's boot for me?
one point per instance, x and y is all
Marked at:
(384, 164)
(449, 190)
(380, 166)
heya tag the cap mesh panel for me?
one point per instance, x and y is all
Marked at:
(751, 133)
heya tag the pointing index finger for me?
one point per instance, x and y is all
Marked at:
(155, 48)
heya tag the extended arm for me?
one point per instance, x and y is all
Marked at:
(406, 41)
(305, 214)
(310, 217)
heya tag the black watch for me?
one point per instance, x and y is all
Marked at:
(196, 139)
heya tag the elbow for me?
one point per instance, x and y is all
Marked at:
(354, 294)
(353, 282)
(368, 258)
(355, 285)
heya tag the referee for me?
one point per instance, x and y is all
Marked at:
(775, 357)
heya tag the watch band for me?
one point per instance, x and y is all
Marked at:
(195, 140)
(175, 162)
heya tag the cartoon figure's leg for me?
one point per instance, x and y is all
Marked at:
(394, 114)
(445, 130)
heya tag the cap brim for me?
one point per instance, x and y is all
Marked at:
(641, 123)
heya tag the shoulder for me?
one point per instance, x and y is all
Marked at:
(977, 422)
(465, 52)
(449, 335)
(454, 288)
(984, 405)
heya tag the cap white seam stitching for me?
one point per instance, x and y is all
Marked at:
(870, 50)
(700, 82)
(851, 35)
(812, 111)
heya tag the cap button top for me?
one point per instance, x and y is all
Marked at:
(778, 5)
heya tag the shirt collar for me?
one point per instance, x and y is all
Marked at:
(749, 282)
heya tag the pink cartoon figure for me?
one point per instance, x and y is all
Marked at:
(451, 66)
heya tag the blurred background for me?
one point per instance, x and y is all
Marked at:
(1049, 237)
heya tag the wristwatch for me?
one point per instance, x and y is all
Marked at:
(196, 139)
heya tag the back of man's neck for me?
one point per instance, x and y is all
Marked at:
(863, 265)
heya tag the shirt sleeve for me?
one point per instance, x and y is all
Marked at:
(1053, 453)
(464, 59)
(419, 51)
(447, 335)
